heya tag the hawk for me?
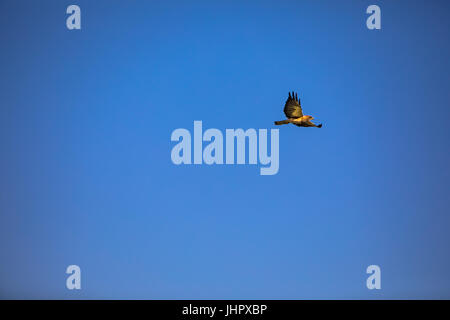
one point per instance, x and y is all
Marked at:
(294, 113)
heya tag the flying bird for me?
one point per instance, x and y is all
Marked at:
(294, 113)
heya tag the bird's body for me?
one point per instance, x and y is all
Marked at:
(294, 113)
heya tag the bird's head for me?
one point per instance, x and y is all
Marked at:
(310, 117)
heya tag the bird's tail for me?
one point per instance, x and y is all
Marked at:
(319, 126)
(282, 122)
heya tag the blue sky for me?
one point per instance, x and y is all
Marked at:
(86, 175)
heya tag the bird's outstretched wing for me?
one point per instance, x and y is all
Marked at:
(292, 108)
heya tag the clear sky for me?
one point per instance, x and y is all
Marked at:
(86, 176)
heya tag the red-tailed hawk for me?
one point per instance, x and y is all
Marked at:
(294, 113)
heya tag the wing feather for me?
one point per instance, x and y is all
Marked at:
(292, 108)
